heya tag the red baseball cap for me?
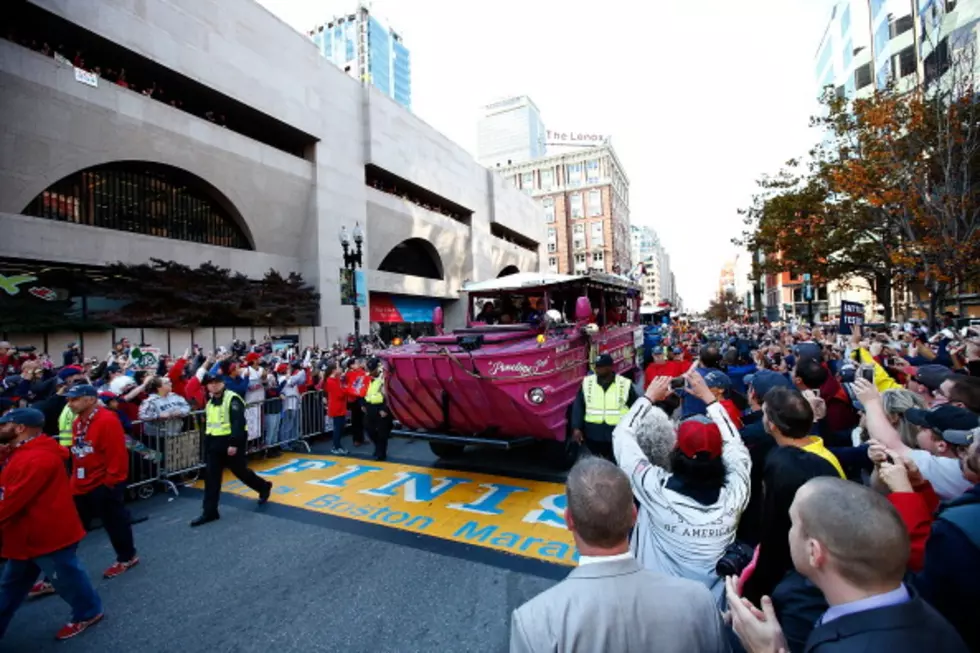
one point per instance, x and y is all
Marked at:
(694, 437)
(252, 357)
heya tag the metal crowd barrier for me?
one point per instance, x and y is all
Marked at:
(171, 452)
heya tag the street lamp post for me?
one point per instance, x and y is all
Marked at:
(352, 261)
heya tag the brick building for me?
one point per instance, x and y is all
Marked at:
(584, 200)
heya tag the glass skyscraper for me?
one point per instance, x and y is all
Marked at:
(367, 49)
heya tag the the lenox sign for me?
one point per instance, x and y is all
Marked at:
(574, 138)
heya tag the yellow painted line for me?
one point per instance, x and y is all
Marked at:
(516, 516)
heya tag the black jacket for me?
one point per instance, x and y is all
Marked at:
(910, 627)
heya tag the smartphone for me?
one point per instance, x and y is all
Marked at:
(868, 374)
(888, 457)
(678, 382)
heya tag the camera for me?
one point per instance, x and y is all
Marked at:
(677, 382)
(868, 373)
(736, 558)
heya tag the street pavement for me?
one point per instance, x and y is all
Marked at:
(287, 579)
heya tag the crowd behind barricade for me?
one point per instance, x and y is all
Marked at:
(130, 419)
(795, 489)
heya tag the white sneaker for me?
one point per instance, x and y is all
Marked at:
(339, 451)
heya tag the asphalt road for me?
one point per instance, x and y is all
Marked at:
(284, 579)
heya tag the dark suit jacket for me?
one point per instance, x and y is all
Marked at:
(910, 627)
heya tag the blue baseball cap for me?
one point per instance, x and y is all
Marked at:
(83, 390)
(717, 379)
(765, 380)
(24, 416)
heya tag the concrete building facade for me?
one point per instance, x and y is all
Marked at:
(584, 206)
(366, 48)
(305, 151)
(510, 132)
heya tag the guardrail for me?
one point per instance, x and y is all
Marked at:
(170, 452)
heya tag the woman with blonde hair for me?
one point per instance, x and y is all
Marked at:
(896, 401)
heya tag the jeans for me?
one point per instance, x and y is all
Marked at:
(289, 426)
(339, 423)
(67, 575)
(272, 428)
(108, 504)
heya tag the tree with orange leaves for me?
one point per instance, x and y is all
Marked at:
(891, 193)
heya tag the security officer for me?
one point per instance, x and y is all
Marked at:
(379, 420)
(227, 434)
(602, 401)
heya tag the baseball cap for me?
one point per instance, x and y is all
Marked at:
(807, 350)
(932, 375)
(84, 390)
(695, 437)
(765, 380)
(373, 364)
(960, 437)
(69, 371)
(212, 378)
(24, 416)
(252, 357)
(943, 418)
(717, 379)
(605, 360)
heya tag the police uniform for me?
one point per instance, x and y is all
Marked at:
(598, 408)
(379, 420)
(225, 426)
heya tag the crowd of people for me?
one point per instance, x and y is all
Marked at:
(100, 414)
(775, 489)
(110, 72)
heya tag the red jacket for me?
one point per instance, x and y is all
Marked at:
(917, 509)
(37, 513)
(176, 375)
(733, 412)
(337, 396)
(357, 384)
(102, 458)
(667, 368)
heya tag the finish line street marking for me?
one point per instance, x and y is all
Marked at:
(521, 517)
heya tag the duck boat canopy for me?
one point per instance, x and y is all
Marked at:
(510, 376)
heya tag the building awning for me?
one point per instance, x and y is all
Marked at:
(401, 308)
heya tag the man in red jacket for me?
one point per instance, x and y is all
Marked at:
(357, 384)
(100, 467)
(39, 526)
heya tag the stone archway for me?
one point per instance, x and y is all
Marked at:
(416, 257)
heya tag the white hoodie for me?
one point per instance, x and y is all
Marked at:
(675, 534)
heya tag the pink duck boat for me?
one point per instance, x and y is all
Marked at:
(510, 377)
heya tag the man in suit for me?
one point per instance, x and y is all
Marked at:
(611, 603)
(851, 543)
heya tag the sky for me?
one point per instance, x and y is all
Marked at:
(699, 97)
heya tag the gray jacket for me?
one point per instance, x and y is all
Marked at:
(619, 607)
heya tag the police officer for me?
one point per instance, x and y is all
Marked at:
(224, 446)
(601, 402)
(379, 420)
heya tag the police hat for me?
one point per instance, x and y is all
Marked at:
(604, 360)
(212, 378)
(24, 416)
(373, 364)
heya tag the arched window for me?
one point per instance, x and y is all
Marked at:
(144, 198)
(416, 257)
(507, 271)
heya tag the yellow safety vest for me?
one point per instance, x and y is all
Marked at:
(65, 421)
(218, 417)
(376, 391)
(605, 406)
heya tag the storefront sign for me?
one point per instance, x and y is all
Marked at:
(401, 308)
(521, 517)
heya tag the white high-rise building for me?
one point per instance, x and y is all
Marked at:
(658, 280)
(510, 132)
